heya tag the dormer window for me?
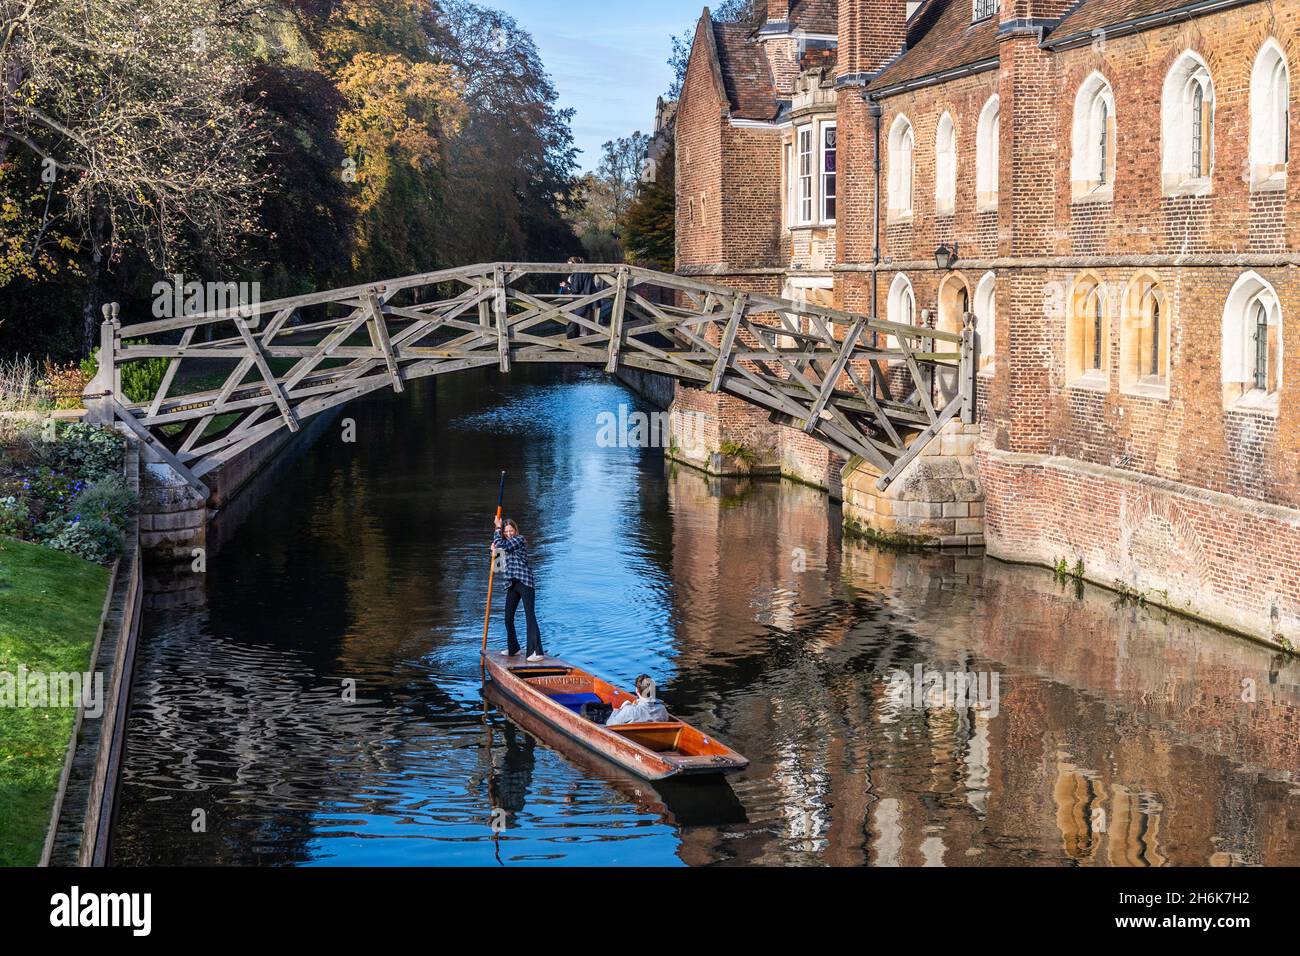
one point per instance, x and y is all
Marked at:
(983, 9)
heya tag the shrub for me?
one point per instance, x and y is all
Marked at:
(141, 378)
(15, 518)
(65, 384)
(89, 451)
(91, 538)
(108, 498)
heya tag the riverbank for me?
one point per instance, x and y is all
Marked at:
(50, 609)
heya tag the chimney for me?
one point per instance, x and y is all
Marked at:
(872, 32)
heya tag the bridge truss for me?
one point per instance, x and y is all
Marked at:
(862, 386)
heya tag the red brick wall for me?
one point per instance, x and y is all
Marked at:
(701, 115)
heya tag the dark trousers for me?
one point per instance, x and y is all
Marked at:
(514, 594)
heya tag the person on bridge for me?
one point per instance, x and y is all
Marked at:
(521, 587)
(646, 709)
(580, 284)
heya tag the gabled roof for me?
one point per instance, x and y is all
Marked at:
(746, 76)
(940, 38)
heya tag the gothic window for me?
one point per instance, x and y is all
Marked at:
(945, 166)
(1087, 332)
(901, 143)
(1187, 124)
(1270, 118)
(1092, 161)
(1144, 338)
(986, 154)
(985, 319)
(1252, 344)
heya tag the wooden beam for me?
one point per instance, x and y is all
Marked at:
(616, 320)
(503, 329)
(728, 341)
(277, 393)
(379, 337)
(833, 374)
(125, 416)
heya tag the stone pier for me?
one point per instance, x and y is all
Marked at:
(937, 501)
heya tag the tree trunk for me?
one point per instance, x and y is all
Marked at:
(93, 299)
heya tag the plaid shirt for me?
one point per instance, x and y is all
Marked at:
(516, 551)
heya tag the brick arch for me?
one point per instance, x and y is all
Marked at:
(1156, 536)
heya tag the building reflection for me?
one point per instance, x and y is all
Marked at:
(1122, 735)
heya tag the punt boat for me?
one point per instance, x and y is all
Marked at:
(556, 691)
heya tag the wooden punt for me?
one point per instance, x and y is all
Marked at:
(549, 688)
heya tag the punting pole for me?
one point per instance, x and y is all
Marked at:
(492, 567)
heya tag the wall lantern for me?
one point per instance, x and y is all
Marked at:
(944, 257)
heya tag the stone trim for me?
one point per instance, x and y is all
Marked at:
(82, 817)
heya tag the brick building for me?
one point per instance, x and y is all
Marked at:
(1113, 177)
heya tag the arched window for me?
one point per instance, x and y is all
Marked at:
(902, 301)
(1088, 335)
(1187, 124)
(987, 141)
(1092, 160)
(945, 166)
(985, 320)
(1252, 344)
(954, 303)
(1270, 118)
(901, 143)
(1144, 338)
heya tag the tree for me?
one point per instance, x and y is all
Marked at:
(606, 194)
(649, 230)
(136, 113)
(512, 164)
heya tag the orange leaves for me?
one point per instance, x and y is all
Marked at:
(400, 112)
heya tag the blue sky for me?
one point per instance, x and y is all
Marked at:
(609, 60)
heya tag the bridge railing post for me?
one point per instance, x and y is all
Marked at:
(104, 389)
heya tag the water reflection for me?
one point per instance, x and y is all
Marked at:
(1120, 737)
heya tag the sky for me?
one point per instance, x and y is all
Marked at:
(607, 58)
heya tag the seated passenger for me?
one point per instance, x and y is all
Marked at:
(644, 710)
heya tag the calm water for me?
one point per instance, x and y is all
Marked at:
(1116, 736)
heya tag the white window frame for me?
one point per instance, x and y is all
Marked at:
(901, 167)
(824, 128)
(982, 9)
(945, 166)
(1177, 119)
(988, 154)
(805, 190)
(1270, 120)
(790, 200)
(1237, 356)
(900, 307)
(986, 319)
(1092, 155)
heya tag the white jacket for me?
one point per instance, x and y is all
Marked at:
(640, 711)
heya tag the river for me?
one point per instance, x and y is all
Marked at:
(318, 701)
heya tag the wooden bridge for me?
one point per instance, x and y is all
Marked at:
(862, 386)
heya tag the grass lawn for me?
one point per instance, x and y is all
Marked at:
(50, 604)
